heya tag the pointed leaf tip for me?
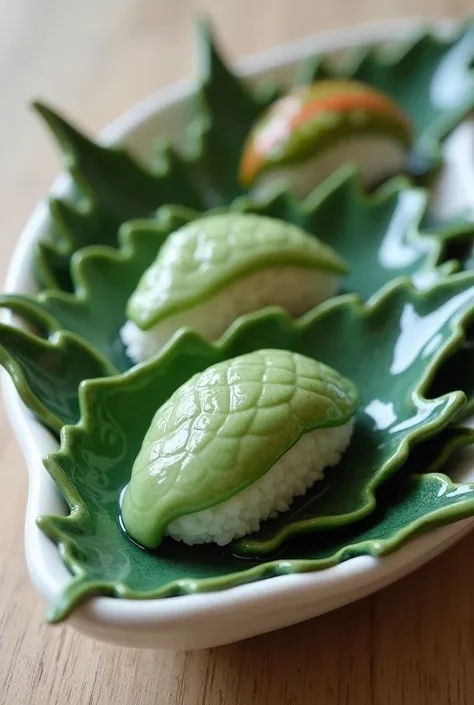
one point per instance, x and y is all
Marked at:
(211, 60)
(67, 135)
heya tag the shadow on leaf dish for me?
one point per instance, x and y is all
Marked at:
(390, 349)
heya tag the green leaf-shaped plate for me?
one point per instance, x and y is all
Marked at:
(104, 278)
(223, 111)
(381, 235)
(431, 79)
(47, 364)
(390, 349)
(378, 235)
(109, 186)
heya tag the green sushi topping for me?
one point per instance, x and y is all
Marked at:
(208, 254)
(225, 428)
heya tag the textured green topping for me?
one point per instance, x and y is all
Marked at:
(225, 428)
(204, 256)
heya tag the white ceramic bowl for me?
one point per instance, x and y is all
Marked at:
(205, 620)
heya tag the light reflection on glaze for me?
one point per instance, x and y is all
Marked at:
(394, 252)
(383, 413)
(425, 278)
(450, 86)
(424, 412)
(418, 331)
(443, 487)
(460, 490)
(432, 346)
(457, 491)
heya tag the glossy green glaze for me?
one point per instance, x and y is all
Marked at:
(396, 349)
(390, 349)
(223, 429)
(47, 365)
(430, 78)
(458, 373)
(109, 187)
(202, 258)
(222, 112)
(379, 235)
(104, 279)
(115, 567)
(433, 455)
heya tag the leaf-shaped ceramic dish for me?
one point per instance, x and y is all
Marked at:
(434, 110)
(403, 338)
(413, 74)
(47, 364)
(200, 620)
(382, 235)
(378, 234)
(111, 187)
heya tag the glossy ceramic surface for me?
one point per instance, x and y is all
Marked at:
(403, 337)
(260, 606)
(430, 79)
(380, 235)
(109, 188)
(48, 369)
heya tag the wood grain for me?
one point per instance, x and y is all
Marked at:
(413, 642)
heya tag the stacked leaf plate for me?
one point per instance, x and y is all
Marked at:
(399, 326)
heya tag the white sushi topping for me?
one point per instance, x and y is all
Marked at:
(291, 476)
(296, 289)
(375, 157)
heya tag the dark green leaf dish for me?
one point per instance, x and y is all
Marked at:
(245, 383)
(379, 236)
(47, 364)
(405, 336)
(110, 187)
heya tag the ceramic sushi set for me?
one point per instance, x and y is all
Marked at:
(248, 361)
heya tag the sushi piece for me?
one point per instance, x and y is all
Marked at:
(234, 445)
(221, 266)
(305, 136)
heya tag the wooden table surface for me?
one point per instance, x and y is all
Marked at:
(411, 643)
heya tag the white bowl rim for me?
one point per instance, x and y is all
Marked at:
(345, 582)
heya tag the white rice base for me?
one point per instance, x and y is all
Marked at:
(296, 289)
(376, 157)
(291, 476)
